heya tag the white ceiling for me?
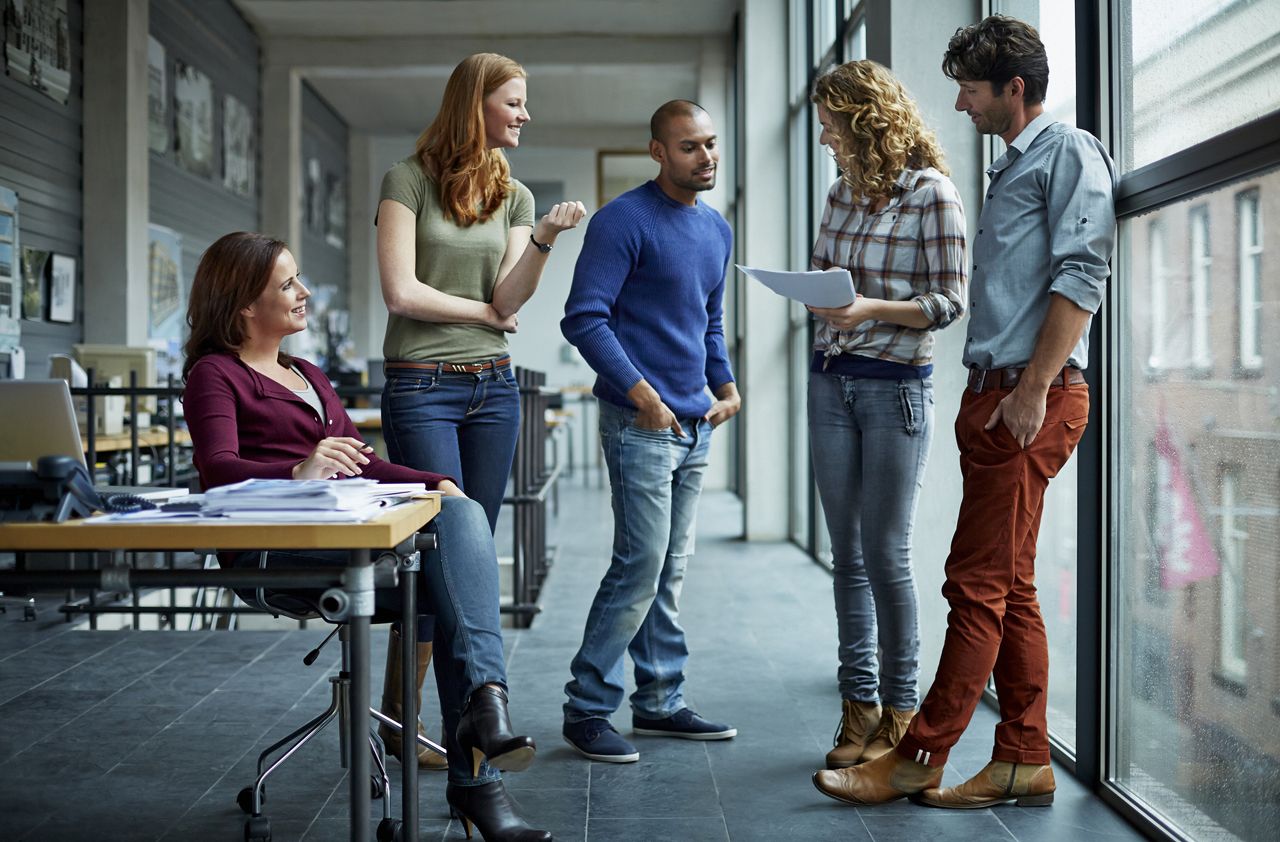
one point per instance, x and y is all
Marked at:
(597, 68)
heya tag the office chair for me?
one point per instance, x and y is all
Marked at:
(332, 606)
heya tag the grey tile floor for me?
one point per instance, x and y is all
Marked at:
(149, 735)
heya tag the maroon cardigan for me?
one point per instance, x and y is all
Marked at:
(246, 426)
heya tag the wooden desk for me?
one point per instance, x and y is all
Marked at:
(150, 437)
(384, 532)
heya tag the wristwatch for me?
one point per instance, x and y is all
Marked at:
(542, 247)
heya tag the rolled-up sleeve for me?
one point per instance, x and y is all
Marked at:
(942, 233)
(1082, 221)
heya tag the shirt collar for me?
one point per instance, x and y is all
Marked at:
(1022, 142)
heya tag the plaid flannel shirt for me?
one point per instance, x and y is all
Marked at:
(913, 249)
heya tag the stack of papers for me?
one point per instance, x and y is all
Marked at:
(309, 500)
(288, 501)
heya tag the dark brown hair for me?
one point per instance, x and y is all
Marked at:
(996, 50)
(231, 275)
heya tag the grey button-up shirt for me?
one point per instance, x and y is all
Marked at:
(1047, 226)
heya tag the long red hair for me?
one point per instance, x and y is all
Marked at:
(454, 144)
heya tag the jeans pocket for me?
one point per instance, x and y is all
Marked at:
(911, 416)
(507, 378)
(397, 386)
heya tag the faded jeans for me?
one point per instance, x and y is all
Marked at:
(870, 441)
(656, 480)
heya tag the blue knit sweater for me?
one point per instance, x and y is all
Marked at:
(647, 299)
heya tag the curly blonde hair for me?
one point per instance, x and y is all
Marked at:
(877, 126)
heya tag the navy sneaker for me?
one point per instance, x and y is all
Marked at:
(596, 739)
(684, 724)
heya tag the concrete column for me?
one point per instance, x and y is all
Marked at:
(364, 295)
(766, 412)
(116, 171)
(282, 154)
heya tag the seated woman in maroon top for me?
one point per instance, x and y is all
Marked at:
(255, 412)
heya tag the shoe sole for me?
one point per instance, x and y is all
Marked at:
(604, 758)
(1042, 800)
(514, 761)
(682, 735)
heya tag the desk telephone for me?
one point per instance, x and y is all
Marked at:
(59, 488)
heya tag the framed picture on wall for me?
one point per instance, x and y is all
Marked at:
(35, 264)
(335, 229)
(62, 289)
(238, 152)
(193, 109)
(164, 282)
(157, 98)
(37, 46)
(10, 267)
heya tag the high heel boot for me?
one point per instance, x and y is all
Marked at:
(484, 733)
(427, 759)
(492, 811)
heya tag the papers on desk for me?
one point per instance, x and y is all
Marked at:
(826, 288)
(264, 495)
(290, 501)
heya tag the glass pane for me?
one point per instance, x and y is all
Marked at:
(1193, 69)
(824, 26)
(1197, 477)
(855, 41)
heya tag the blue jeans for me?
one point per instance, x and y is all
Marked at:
(455, 423)
(870, 442)
(460, 587)
(656, 479)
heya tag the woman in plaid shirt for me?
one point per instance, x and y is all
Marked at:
(895, 221)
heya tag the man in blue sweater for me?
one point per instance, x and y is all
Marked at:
(646, 313)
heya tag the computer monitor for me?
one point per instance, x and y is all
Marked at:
(37, 419)
(108, 361)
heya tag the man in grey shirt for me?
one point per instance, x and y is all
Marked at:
(1045, 234)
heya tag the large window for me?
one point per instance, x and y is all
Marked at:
(1190, 70)
(1196, 733)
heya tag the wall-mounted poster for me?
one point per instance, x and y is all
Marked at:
(336, 212)
(35, 265)
(313, 198)
(37, 46)
(238, 149)
(62, 289)
(164, 282)
(193, 109)
(10, 329)
(157, 99)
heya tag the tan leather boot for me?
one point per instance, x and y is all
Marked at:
(893, 724)
(427, 759)
(887, 778)
(857, 719)
(999, 782)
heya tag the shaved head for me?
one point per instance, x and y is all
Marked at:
(669, 111)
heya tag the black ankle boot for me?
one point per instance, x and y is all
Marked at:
(484, 733)
(490, 809)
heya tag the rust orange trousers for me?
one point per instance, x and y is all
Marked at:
(994, 626)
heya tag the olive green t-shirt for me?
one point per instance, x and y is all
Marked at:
(455, 260)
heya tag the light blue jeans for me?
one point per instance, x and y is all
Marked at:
(656, 480)
(870, 443)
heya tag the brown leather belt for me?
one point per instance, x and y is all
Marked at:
(461, 368)
(986, 379)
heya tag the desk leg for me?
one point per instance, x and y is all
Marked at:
(360, 588)
(409, 703)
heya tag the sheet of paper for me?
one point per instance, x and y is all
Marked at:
(827, 288)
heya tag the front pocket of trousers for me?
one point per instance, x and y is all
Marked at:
(405, 386)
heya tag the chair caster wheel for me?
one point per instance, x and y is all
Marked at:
(244, 798)
(257, 830)
(375, 787)
(389, 830)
